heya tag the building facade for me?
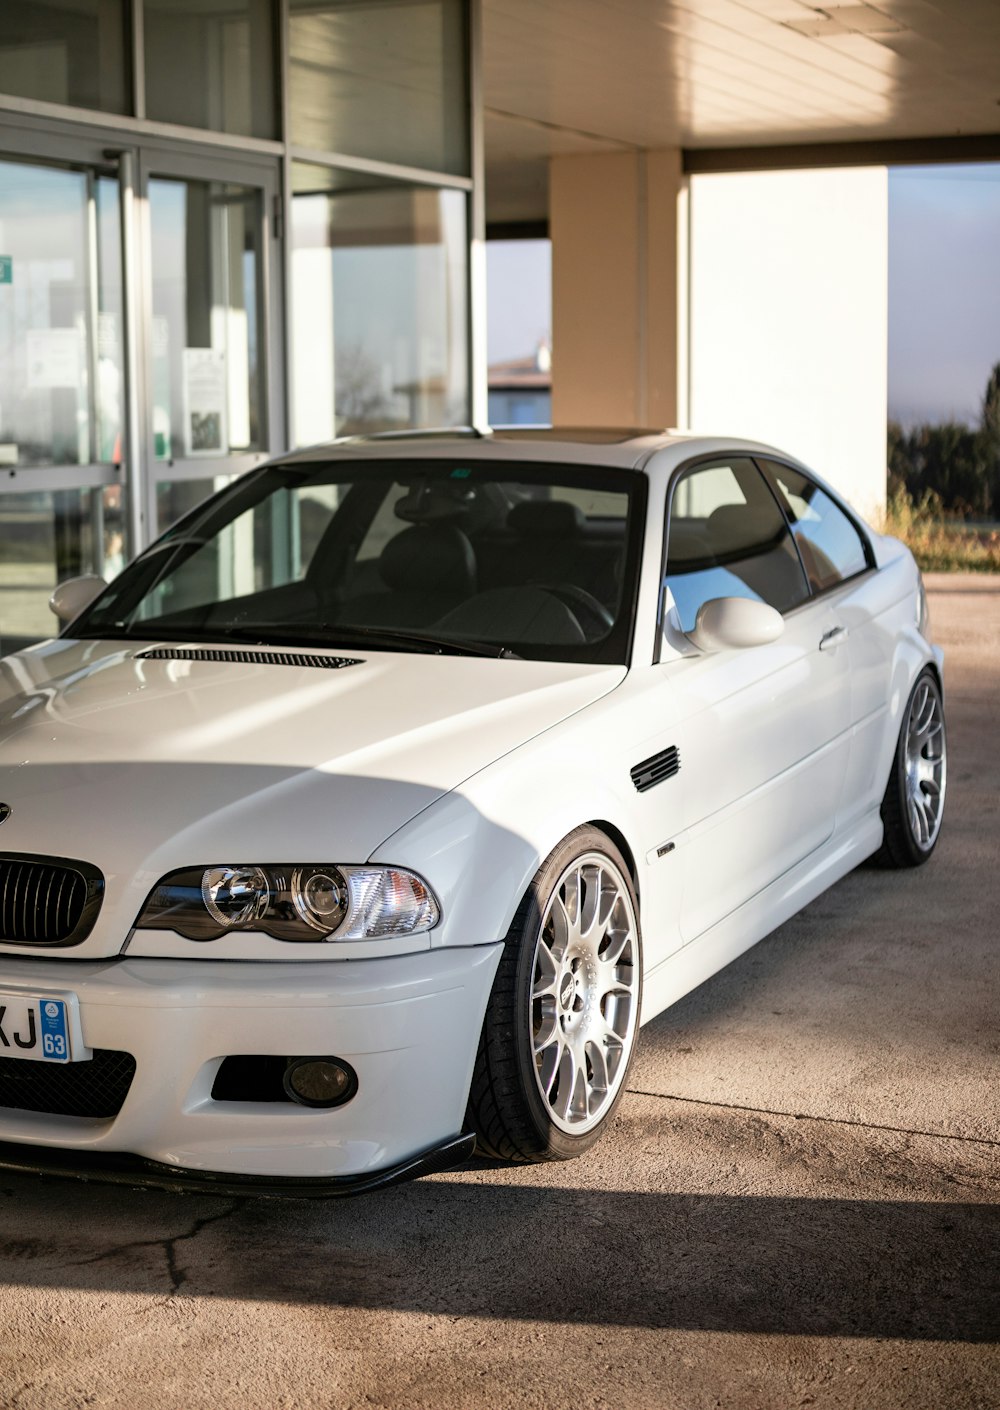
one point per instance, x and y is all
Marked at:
(225, 228)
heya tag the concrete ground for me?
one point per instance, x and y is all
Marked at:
(799, 1203)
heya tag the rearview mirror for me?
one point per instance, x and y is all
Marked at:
(72, 596)
(735, 622)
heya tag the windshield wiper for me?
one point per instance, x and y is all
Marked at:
(333, 633)
(328, 634)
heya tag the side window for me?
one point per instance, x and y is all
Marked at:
(727, 538)
(832, 549)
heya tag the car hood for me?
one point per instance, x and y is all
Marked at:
(140, 766)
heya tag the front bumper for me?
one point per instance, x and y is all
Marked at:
(408, 1025)
(112, 1169)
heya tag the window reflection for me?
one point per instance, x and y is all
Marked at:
(211, 66)
(65, 51)
(728, 538)
(204, 336)
(380, 78)
(379, 306)
(46, 538)
(175, 498)
(60, 317)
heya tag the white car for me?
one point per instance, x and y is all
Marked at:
(369, 812)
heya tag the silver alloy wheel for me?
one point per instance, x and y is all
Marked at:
(926, 764)
(584, 993)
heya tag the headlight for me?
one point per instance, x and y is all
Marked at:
(312, 902)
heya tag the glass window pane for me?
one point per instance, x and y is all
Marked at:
(727, 538)
(66, 51)
(175, 498)
(519, 332)
(269, 545)
(830, 545)
(383, 79)
(540, 558)
(46, 538)
(60, 317)
(210, 65)
(379, 308)
(206, 373)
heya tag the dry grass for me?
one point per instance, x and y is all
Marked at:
(938, 541)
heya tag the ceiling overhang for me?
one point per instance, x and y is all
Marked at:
(722, 79)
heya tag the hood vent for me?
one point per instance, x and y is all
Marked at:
(654, 770)
(247, 658)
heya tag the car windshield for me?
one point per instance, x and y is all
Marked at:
(469, 556)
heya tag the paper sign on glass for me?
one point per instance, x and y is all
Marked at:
(205, 431)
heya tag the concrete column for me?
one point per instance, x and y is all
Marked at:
(789, 317)
(613, 223)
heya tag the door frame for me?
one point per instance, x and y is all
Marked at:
(47, 142)
(88, 154)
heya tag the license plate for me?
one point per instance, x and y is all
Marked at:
(35, 1027)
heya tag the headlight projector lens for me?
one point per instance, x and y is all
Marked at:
(320, 897)
(320, 1082)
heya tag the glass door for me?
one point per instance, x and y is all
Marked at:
(62, 379)
(211, 342)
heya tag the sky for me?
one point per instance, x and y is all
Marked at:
(944, 292)
(519, 295)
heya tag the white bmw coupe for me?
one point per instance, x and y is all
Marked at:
(363, 819)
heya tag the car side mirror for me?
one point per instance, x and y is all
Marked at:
(735, 622)
(72, 596)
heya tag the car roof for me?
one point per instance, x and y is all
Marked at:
(617, 447)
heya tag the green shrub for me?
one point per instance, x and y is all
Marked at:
(939, 542)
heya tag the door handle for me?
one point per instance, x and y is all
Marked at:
(833, 638)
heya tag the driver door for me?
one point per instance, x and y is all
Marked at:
(763, 732)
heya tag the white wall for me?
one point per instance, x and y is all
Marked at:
(789, 318)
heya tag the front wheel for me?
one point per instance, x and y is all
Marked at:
(913, 806)
(562, 1018)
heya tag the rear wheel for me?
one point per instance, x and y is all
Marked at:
(562, 1018)
(913, 806)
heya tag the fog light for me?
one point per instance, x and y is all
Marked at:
(320, 1081)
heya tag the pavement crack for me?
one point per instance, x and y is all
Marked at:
(807, 1116)
(176, 1273)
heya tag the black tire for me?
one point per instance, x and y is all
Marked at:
(912, 809)
(590, 1006)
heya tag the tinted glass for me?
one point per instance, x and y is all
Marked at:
(175, 498)
(832, 549)
(380, 79)
(539, 560)
(727, 538)
(65, 51)
(211, 65)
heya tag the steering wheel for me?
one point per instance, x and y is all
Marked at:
(580, 601)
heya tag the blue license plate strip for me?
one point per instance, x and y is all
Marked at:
(38, 1028)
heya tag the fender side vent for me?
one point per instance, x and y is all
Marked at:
(652, 771)
(247, 658)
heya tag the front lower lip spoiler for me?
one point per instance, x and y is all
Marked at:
(114, 1168)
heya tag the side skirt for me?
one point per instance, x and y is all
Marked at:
(736, 933)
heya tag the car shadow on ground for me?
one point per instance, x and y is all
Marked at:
(466, 1247)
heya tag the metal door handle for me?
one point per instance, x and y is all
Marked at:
(832, 638)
